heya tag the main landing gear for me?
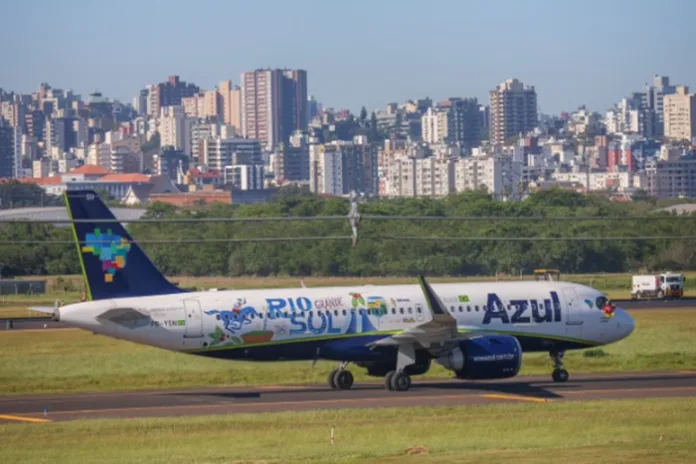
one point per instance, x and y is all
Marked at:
(559, 374)
(340, 378)
(399, 380)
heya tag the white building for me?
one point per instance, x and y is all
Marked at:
(175, 128)
(244, 176)
(603, 181)
(434, 126)
(420, 177)
(219, 152)
(499, 175)
(325, 169)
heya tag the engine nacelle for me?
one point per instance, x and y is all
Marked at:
(487, 357)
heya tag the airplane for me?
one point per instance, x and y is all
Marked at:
(479, 331)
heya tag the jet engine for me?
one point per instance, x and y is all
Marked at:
(483, 358)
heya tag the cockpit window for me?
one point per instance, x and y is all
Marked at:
(601, 301)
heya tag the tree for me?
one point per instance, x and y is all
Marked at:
(363, 116)
(374, 133)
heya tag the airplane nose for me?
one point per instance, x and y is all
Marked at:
(624, 323)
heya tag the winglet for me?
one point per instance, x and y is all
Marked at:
(436, 307)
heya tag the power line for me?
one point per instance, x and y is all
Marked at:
(343, 218)
(348, 237)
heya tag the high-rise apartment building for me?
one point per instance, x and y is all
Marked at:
(513, 110)
(231, 101)
(168, 93)
(652, 105)
(274, 104)
(175, 128)
(8, 159)
(464, 123)
(434, 125)
(680, 115)
(219, 152)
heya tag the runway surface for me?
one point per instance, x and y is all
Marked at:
(366, 395)
(34, 323)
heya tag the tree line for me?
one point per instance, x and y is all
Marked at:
(374, 255)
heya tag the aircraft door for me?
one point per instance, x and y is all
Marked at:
(572, 312)
(194, 319)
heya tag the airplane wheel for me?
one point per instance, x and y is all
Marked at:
(343, 380)
(400, 381)
(560, 375)
(388, 380)
(332, 379)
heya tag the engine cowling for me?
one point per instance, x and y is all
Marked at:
(487, 357)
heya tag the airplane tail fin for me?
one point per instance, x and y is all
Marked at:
(113, 265)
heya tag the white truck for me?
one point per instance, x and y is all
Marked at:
(667, 285)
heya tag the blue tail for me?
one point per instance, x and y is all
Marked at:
(113, 265)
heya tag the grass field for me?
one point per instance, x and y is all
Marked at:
(43, 361)
(652, 430)
(616, 286)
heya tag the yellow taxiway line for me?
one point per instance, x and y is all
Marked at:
(516, 397)
(22, 418)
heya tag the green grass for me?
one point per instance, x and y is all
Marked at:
(45, 361)
(652, 430)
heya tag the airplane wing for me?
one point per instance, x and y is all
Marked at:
(439, 333)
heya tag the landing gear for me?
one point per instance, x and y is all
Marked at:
(397, 381)
(559, 374)
(340, 378)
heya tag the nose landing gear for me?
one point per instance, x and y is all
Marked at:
(559, 374)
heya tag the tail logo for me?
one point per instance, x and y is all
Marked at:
(110, 248)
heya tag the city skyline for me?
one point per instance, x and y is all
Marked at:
(365, 69)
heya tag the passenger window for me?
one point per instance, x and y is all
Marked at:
(468, 309)
(461, 309)
(344, 312)
(401, 310)
(410, 310)
(217, 317)
(477, 308)
(419, 310)
(335, 312)
(260, 315)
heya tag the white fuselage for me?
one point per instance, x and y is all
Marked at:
(220, 320)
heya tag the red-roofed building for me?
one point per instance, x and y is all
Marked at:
(200, 178)
(132, 187)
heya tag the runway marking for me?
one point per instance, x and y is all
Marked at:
(267, 403)
(349, 400)
(23, 418)
(516, 397)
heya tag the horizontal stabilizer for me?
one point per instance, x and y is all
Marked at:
(43, 309)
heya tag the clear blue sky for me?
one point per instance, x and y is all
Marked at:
(356, 52)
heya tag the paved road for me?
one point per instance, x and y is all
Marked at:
(367, 395)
